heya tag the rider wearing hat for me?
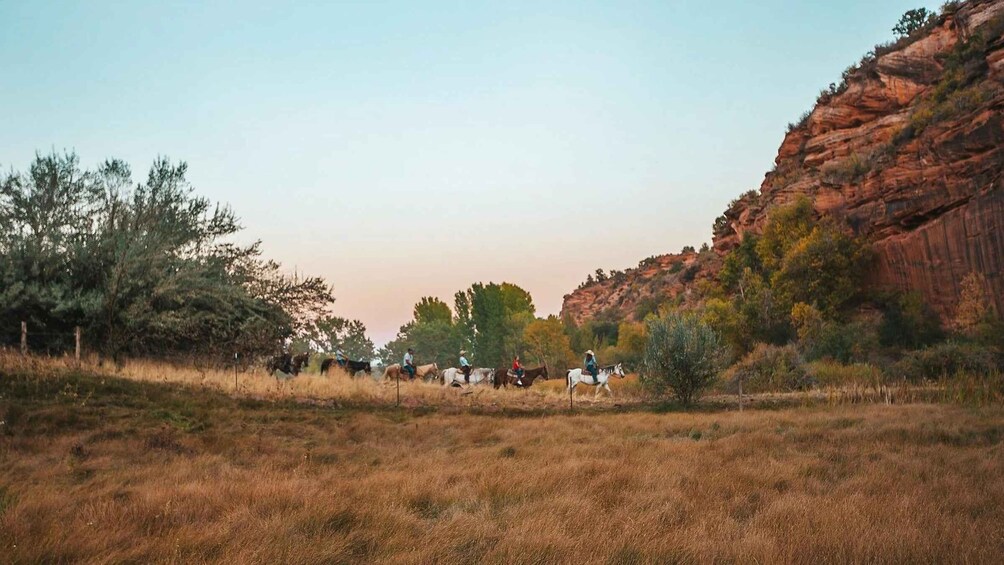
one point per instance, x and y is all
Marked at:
(592, 366)
(465, 366)
(409, 363)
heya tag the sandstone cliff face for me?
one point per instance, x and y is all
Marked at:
(903, 156)
(659, 279)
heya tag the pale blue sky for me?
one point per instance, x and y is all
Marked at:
(403, 149)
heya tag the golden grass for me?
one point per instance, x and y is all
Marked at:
(105, 470)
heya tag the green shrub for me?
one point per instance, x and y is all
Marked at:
(682, 356)
(846, 343)
(946, 360)
(771, 368)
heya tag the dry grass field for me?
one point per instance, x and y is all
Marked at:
(155, 465)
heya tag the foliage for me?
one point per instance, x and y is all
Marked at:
(144, 268)
(332, 333)
(959, 89)
(825, 268)
(682, 356)
(771, 368)
(431, 309)
(946, 360)
(489, 321)
(908, 321)
(743, 257)
(786, 226)
(911, 21)
(547, 343)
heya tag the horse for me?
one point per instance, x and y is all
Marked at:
(421, 372)
(300, 361)
(454, 376)
(505, 376)
(352, 367)
(282, 363)
(602, 380)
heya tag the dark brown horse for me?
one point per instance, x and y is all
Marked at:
(352, 367)
(505, 377)
(300, 361)
(282, 362)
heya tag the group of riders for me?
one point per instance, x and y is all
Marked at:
(591, 366)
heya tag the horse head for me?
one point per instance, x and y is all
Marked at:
(543, 372)
(619, 370)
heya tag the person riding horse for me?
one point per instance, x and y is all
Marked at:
(517, 369)
(465, 366)
(408, 365)
(340, 358)
(592, 365)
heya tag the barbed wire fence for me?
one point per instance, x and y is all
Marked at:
(62, 342)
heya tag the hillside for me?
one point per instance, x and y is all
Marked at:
(906, 151)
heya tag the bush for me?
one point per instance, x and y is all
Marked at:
(682, 356)
(771, 368)
(946, 360)
(846, 343)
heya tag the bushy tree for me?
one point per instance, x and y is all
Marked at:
(547, 343)
(911, 21)
(682, 357)
(825, 268)
(145, 268)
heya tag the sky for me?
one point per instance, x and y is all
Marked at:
(409, 149)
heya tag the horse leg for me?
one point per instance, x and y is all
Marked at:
(606, 385)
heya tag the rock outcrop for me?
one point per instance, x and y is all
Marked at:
(656, 280)
(908, 152)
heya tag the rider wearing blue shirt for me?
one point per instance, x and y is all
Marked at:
(592, 366)
(465, 366)
(340, 358)
(408, 365)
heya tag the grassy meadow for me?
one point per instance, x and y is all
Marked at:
(162, 464)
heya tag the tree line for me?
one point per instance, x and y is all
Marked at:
(145, 268)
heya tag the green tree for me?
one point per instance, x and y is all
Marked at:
(911, 21)
(682, 356)
(431, 309)
(824, 268)
(786, 226)
(548, 344)
(145, 268)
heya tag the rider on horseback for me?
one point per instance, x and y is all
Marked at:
(465, 366)
(517, 369)
(408, 365)
(340, 358)
(592, 366)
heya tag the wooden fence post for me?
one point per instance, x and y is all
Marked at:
(740, 395)
(24, 338)
(76, 338)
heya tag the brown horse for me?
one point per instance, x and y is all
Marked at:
(394, 371)
(505, 377)
(300, 362)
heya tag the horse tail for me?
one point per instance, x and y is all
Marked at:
(568, 378)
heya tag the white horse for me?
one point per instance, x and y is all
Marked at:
(602, 380)
(454, 375)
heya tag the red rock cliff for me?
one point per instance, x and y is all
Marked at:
(908, 151)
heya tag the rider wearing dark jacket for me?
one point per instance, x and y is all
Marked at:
(592, 366)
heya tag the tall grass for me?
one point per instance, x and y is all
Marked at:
(102, 469)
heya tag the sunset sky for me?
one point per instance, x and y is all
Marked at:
(404, 149)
